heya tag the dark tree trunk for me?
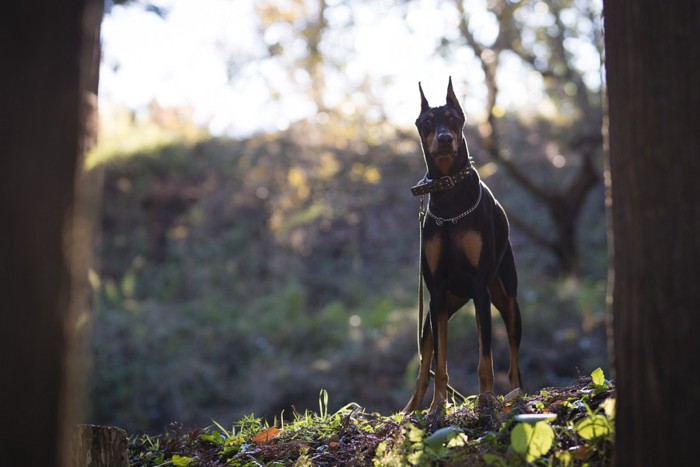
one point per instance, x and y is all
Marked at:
(49, 53)
(653, 77)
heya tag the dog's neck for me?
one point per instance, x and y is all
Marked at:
(461, 160)
(455, 201)
(452, 202)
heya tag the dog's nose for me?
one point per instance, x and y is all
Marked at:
(444, 138)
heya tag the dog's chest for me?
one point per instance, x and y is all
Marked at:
(455, 251)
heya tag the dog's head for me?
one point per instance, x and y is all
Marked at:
(440, 130)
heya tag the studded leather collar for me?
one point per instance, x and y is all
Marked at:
(427, 185)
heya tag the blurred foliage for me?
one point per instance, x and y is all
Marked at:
(240, 276)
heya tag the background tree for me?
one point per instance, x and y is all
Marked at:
(309, 23)
(653, 71)
(50, 55)
(541, 45)
(545, 38)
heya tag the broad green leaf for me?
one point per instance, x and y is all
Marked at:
(210, 438)
(181, 461)
(442, 436)
(598, 377)
(532, 441)
(520, 438)
(564, 458)
(593, 426)
(608, 405)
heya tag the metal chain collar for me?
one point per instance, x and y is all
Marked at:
(439, 220)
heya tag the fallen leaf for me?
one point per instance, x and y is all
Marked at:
(581, 453)
(267, 435)
(514, 394)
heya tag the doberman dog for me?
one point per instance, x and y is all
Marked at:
(466, 253)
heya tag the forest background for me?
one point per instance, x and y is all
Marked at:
(240, 269)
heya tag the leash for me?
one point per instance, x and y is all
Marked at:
(421, 311)
(421, 219)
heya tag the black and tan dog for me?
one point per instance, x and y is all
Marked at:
(466, 252)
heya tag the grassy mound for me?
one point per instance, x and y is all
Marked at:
(572, 425)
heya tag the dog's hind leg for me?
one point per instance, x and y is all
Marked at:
(503, 294)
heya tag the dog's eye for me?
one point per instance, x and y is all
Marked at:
(453, 121)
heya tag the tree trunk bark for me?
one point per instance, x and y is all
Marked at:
(653, 76)
(100, 446)
(50, 54)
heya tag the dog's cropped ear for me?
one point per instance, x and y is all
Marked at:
(452, 99)
(423, 101)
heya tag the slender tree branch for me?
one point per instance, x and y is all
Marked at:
(563, 205)
(489, 64)
(531, 233)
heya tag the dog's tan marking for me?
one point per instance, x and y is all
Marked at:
(485, 368)
(441, 377)
(444, 163)
(472, 243)
(433, 250)
(485, 372)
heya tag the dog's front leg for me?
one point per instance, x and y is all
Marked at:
(439, 318)
(426, 355)
(482, 304)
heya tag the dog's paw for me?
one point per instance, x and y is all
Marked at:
(435, 417)
(486, 401)
(436, 410)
